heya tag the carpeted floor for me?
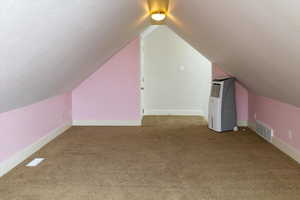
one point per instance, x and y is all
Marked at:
(170, 158)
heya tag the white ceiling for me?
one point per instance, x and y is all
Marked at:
(258, 41)
(48, 47)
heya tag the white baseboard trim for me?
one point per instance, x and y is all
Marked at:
(20, 156)
(107, 122)
(286, 148)
(184, 112)
(252, 126)
(281, 145)
(242, 123)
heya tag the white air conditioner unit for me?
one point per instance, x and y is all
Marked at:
(222, 111)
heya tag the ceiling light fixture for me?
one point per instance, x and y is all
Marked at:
(158, 16)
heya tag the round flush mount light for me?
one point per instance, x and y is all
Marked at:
(158, 16)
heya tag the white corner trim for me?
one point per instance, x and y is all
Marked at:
(20, 156)
(184, 112)
(286, 148)
(242, 123)
(107, 122)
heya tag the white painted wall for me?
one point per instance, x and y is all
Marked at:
(176, 76)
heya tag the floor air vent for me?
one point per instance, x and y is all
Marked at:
(264, 131)
(35, 162)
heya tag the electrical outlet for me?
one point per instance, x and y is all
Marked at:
(290, 132)
(254, 115)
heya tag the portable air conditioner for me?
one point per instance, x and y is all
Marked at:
(222, 110)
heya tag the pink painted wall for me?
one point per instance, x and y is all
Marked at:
(111, 93)
(280, 116)
(241, 94)
(24, 126)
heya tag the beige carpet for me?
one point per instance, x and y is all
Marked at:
(170, 158)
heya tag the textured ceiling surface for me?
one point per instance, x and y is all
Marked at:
(49, 47)
(257, 41)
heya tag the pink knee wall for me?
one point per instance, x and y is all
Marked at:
(111, 93)
(24, 126)
(281, 117)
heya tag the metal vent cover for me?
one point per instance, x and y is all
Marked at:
(264, 131)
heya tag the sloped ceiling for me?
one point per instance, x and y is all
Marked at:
(47, 47)
(257, 41)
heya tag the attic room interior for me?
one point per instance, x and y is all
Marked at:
(149, 99)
